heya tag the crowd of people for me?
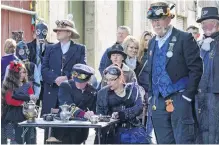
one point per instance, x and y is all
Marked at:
(164, 84)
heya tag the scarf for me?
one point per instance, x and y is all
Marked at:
(131, 62)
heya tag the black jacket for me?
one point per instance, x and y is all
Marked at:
(32, 48)
(186, 61)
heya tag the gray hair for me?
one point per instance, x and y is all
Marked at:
(128, 30)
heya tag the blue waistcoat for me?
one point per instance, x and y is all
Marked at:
(161, 82)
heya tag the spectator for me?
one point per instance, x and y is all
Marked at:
(194, 31)
(9, 49)
(122, 33)
(175, 69)
(131, 47)
(208, 93)
(118, 56)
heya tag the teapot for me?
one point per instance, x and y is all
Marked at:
(94, 119)
(65, 113)
(30, 111)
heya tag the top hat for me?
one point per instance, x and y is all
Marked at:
(116, 49)
(160, 9)
(208, 13)
(82, 73)
(67, 25)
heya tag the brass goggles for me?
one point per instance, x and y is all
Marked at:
(79, 75)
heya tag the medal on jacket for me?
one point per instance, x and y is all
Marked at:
(154, 107)
(169, 105)
(170, 50)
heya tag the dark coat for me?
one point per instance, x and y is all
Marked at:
(51, 69)
(142, 72)
(32, 48)
(68, 93)
(108, 102)
(186, 61)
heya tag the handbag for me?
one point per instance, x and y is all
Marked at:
(135, 135)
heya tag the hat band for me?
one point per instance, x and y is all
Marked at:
(79, 76)
(158, 12)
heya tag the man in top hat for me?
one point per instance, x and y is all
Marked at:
(36, 51)
(208, 93)
(175, 69)
(79, 92)
(58, 62)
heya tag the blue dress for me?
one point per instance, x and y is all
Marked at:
(128, 107)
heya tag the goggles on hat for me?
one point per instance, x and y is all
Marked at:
(61, 23)
(112, 71)
(158, 12)
(79, 75)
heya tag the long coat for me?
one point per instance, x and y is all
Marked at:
(52, 68)
(86, 99)
(186, 61)
(33, 52)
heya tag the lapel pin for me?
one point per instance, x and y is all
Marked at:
(170, 50)
(150, 53)
(174, 39)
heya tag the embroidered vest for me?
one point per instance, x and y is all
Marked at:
(161, 82)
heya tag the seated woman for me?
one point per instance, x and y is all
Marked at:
(79, 92)
(15, 91)
(123, 102)
(118, 56)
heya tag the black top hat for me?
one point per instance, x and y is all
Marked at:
(118, 49)
(208, 13)
(160, 9)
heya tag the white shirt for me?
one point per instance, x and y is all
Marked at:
(65, 47)
(162, 40)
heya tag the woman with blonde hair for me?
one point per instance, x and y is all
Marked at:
(9, 49)
(131, 47)
(141, 71)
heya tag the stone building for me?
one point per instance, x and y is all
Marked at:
(97, 21)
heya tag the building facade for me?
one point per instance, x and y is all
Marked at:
(97, 20)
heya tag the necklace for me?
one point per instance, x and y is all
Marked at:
(121, 93)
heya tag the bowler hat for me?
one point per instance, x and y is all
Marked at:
(82, 73)
(208, 13)
(159, 9)
(116, 49)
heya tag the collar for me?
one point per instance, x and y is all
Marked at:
(166, 36)
(66, 44)
(125, 67)
(9, 54)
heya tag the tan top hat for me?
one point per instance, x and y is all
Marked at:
(67, 25)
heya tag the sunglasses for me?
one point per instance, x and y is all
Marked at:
(110, 79)
(79, 75)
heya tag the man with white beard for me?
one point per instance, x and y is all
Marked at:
(175, 69)
(207, 99)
